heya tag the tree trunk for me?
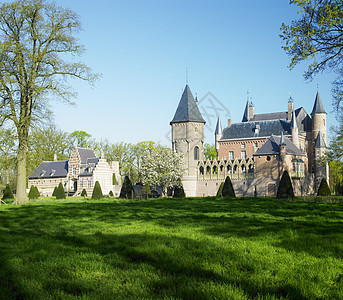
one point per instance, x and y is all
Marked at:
(21, 196)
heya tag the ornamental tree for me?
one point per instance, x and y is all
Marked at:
(97, 192)
(162, 167)
(285, 189)
(36, 41)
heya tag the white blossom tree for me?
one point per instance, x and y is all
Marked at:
(162, 167)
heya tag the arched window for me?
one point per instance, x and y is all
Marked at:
(196, 153)
(201, 170)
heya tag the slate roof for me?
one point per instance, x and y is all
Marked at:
(50, 169)
(85, 154)
(218, 127)
(270, 116)
(318, 107)
(272, 146)
(91, 162)
(320, 141)
(250, 129)
(187, 110)
(246, 113)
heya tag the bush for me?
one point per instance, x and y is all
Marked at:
(324, 189)
(60, 194)
(285, 189)
(111, 194)
(228, 190)
(126, 189)
(179, 192)
(84, 193)
(33, 193)
(114, 179)
(220, 190)
(97, 192)
(7, 193)
(54, 192)
(146, 190)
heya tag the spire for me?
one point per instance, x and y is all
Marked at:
(187, 110)
(320, 141)
(218, 127)
(318, 107)
(246, 112)
(294, 120)
(282, 140)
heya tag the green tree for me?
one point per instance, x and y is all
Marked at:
(7, 193)
(114, 179)
(111, 194)
(84, 193)
(317, 36)
(178, 190)
(220, 190)
(228, 190)
(210, 151)
(7, 154)
(33, 193)
(126, 189)
(60, 193)
(36, 39)
(54, 192)
(336, 176)
(146, 190)
(97, 192)
(81, 139)
(324, 189)
(285, 189)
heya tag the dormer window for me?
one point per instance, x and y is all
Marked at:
(42, 173)
(52, 172)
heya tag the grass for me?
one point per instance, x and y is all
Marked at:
(194, 248)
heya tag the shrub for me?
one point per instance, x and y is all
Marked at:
(228, 190)
(84, 193)
(146, 190)
(33, 193)
(114, 179)
(179, 192)
(285, 189)
(324, 189)
(111, 194)
(220, 190)
(126, 189)
(97, 192)
(60, 194)
(54, 192)
(7, 193)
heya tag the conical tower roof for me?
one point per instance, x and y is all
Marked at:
(294, 120)
(187, 110)
(246, 113)
(318, 107)
(282, 139)
(320, 141)
(218, 127)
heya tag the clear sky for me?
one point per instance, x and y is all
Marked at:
(142, 49)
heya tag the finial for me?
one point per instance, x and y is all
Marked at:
(290, 97)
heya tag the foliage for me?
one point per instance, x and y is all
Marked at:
(285, 189)
(220, 190)
(324, 189)
(210, 248)
(146, 190)
(54, 192)
(36, 40)
(111, 194)
(114, 179)
(60, 193)
(162, 167)
(8, 148)
(178, 190)
(81, 139)
(84, 193)
(228, 190)
(33, 193)
(336, 176)
(317, 36)
(126, 189)
(7, 193)
(210, 151)
(97, 192)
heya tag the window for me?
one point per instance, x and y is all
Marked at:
(196, 153)
(268, 158)
(243, 145)
(74, 171)
(255, 144)
(231, 155)
(81, 184)
(243, 154)
(89, 184)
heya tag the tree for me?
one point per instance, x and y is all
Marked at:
(317, 36)
(60, 193)
(7, 153)
(162, 167)
(285, 189)
(81, 139)
(97, 192)
(324, 189)
(228, 190)
(111, 194)
(33, 193)
(178, 190)
(84, 193)
(7, 193)
(146, 190)
(54, 192)
(114, 179)
(336, 176)
(36, 39)
(210, 151)
(220, 190)
(126, 189)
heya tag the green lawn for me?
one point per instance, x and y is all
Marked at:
(197, 248)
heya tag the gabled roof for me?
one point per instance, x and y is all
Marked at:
(272, 146)
(85, 153)
(91, 163)
(50, 169)
(318, 107)
(187, 110)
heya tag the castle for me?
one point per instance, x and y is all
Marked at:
(254, 152)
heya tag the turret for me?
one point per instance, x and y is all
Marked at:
(282, 146)
(294, 130)
(290, 108)
(218, 135)
(318, 115)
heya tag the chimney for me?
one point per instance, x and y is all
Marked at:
(229, 122)
(55, 157)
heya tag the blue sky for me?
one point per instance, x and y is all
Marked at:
(142, 49)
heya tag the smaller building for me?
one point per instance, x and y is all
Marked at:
(80, 172)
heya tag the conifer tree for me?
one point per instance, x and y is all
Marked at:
(114, 179)
(111, 194)
(179, 191)
(220, 190)
(60, 194)
(7, 193)
(228, 190)
(84, 193)
(146, 190)
(324, 189)
(33, 193)
(54, 192)
(285, 189)
(126, 189)
(97, 192)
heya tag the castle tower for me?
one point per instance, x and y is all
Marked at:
(294, 130)
(188, 137)
(218, 135)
